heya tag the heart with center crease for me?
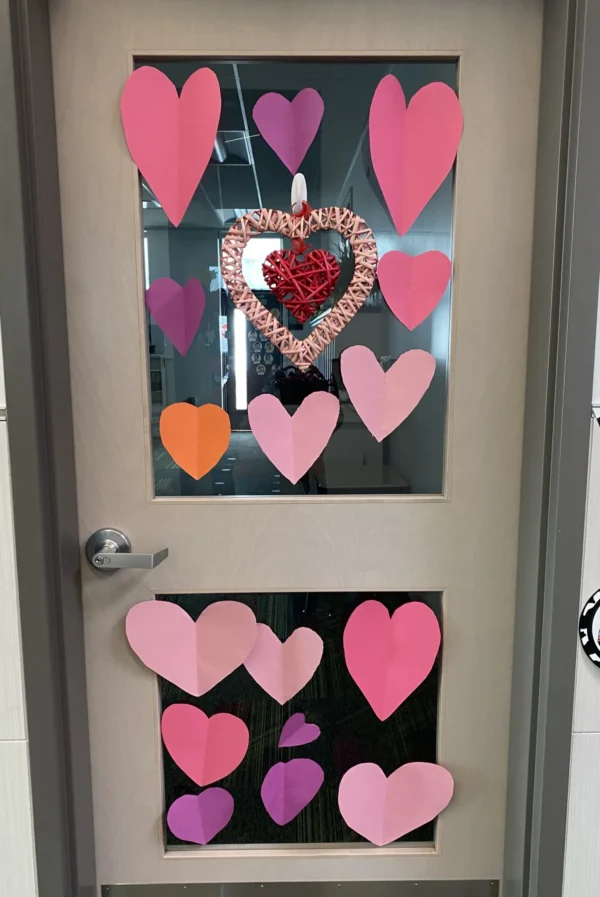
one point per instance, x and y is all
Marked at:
(302, 281)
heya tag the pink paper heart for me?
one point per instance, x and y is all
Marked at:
(412, 150)
(177, 309)
(289, 787)
(171, 138)
(412, 286)
(384, 809)
(289, 128)
(384, 400)
(389, 658)
(192, 655)
(293, 443)
(297, 731)
(205, 748)
(283, 669)
(199, 817)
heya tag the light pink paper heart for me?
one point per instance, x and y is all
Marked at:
(206, 748)
(283, 669)
(171, 138)
(383, 810)
(384, 400)
(289, 127)
(412, 286)
(177, 309)
(389, 658)
(192, 655)
(293, 442)
(412, 150)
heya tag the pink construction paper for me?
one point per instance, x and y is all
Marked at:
(192, 655)
(289, 127)
(293, 442)
(171, 138)
(384, 400)
(297, 731)
(199, 817)
(412, 150)
(289, 787)
(205, 748)
(283, 669)
(389, 658)
(177, 309)
(412, 286)
(384, 809)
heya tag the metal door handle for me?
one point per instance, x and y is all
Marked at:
(110, 549)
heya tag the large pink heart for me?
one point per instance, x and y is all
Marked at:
(383, 810)
(412, 150)
(289, 128)
(283, 669)
(389, 658)
(384, 400)
(412, 286)
(194, 656)
(171, 138)
(206, 748)
(293, 442)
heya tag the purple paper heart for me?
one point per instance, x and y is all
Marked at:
(289, 128)
(289, 787)
(199, 817)
(297, 731)
(177, 310)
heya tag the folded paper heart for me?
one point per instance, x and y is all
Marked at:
(195, 656)
(297, 731)
(195, 438)
(289, 787)
(289, 127)
(412, 286)
(301, 281)
(205, 748)
(384, 809)
(199, 817)
(283, 669)
(177, 309)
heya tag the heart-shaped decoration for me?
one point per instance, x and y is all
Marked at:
(389, 658)
(195, 438)
(199, 817)
(195, 656)
(171, 138)
(412, 286)
(205, 748)
(301, 281)
(289, 787)
(289, 128)
(297, 731)
(302, 353)
(283, 669)
(412, 150)
(384, 809)
(177, 309)
(384, 399)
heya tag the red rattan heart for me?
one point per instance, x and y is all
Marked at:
(301, 281)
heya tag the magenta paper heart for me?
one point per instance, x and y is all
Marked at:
(206, 748)
(283, 669)
(199, 817)
(195, 656)
(297, 731)
(412, 286)
(384, 400)
(412, 150)
(293, 443)
(171, 138)
(389, 658)
(177, 309)
(289, 787)
(383, 810)
(289, 128)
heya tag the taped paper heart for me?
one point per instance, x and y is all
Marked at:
(195, 438)
(195, 656)
(289, 787)
(205, 748)
(283, 669)
(412, 286)
(297, 731)
(177, 309)
(289, 127)
(302, 353)
(199, 817)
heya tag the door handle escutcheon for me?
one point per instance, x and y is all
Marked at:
(109, 549)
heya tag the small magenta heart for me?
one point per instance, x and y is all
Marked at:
(412, 286)
(177, 309)
(199, 817)
(297, 731)
(289, 787)
(289, 128)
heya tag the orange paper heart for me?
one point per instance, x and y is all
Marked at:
(195, 438)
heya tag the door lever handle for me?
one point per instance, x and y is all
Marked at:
(110, 549)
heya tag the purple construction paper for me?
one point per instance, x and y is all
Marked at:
(289, 787)
(289, 128)
(297, 731)
(177, 309)
(199, 817)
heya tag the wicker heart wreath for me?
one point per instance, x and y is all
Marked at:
(303, 352)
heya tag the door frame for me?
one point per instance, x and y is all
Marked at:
(564, 297)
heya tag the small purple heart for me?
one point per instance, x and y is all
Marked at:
(177, 309)
(289, 128)
(297, 731)
(289, 787)
(199, 817)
